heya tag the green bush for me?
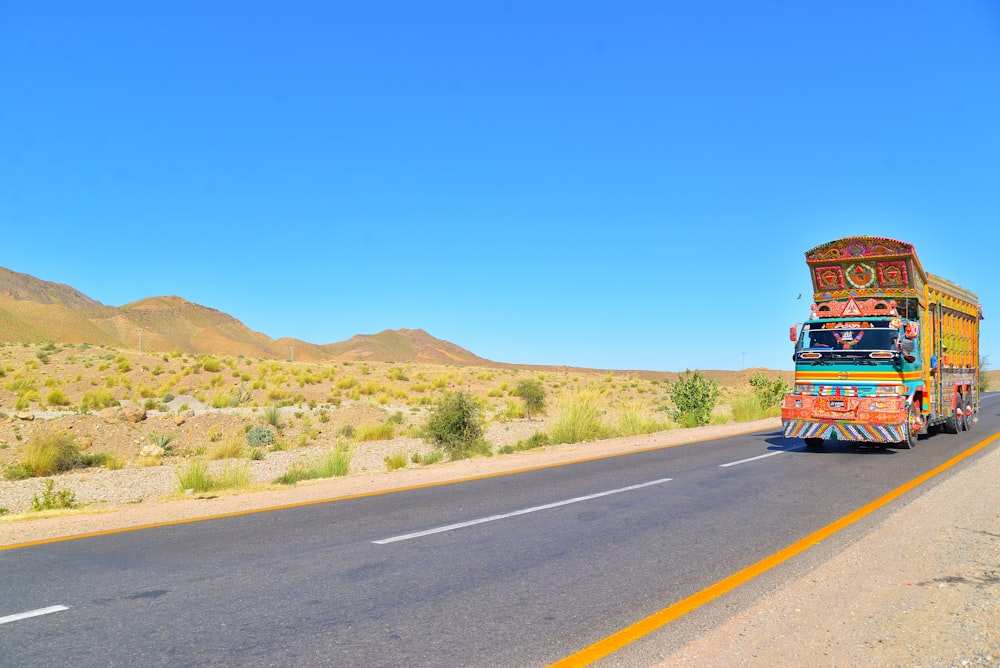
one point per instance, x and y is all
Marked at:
(770, 393)
(456, 425)
(694, 398)
(260, 436)
(51, 500)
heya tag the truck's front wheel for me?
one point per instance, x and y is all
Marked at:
(912, 427)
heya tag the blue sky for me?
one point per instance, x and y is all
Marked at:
(620, 185)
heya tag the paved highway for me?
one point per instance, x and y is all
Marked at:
(518, 570)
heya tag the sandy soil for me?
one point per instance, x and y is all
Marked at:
(938, 604)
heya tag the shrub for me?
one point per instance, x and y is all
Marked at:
(272, 416)
(769, 393)
(50, 453)
(455, 424)
(694, 398)
(260, 436)
(211, 364)
(57, 398)
(98, 399)
(532, 394)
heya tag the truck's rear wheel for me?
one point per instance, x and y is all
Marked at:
(951, 425)
(965, 422)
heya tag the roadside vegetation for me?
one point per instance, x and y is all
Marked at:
(261, 407)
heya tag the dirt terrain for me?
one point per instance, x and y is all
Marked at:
(921, 589)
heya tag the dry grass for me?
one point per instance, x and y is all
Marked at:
(310, 402)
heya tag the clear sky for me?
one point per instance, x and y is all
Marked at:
(619, 185)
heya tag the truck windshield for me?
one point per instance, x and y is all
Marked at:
(850, 336)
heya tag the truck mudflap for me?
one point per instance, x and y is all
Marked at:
(874, 433)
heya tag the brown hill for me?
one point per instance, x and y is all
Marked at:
(35, 311)
(24, 287)
(413, 345)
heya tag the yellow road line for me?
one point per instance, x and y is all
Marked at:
(630, 634)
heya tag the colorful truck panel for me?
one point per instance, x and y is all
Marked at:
(888, 352)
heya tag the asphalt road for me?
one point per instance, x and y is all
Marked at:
(518, 570)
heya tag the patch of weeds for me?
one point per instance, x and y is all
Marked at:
(396, 460)
(272, 416)
(334, 463)
(194, 477)
(54, 500)
(230, 448)
(432, 457)
(375, 432)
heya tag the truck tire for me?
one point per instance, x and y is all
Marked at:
(952, 424)
(965, 422)
(910, 437)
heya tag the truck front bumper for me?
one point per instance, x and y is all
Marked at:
(842, 431)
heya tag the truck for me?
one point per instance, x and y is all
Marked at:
(889, 352)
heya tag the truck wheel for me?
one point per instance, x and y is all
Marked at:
(951, 423)
(814, 443)
(965, 422)
(912, 419)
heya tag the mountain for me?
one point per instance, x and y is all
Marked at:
(413, 345)
(24, 287)
(36, 311)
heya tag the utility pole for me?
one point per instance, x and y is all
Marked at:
(293, 352)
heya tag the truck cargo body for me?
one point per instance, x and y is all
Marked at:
(889, 351)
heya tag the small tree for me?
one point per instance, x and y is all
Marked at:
(533, 395)
(984, 382)
(456, 425)
(694, 398)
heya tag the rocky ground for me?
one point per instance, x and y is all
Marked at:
(936, 601)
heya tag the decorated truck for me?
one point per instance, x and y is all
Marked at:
(888, 351)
